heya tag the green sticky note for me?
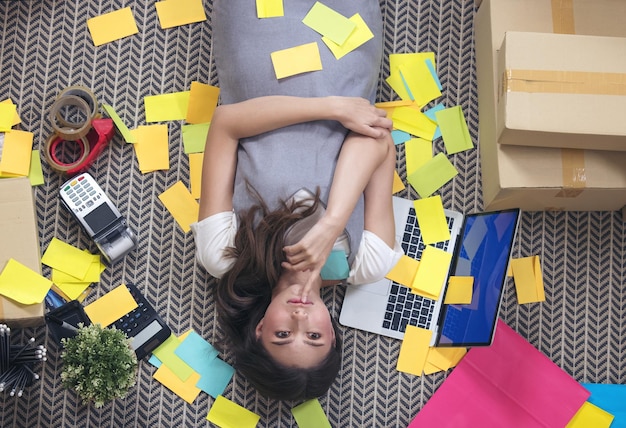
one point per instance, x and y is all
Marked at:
(227, 414)
(119, 124)
(329, 23)
(456, 136)
(35, 175)
(165, 353)
(310, 415)
(194, 137)
(336, 266)
(428, 178)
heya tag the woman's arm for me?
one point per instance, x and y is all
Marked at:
(256, 116)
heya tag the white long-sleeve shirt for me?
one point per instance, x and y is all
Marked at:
(214, 234)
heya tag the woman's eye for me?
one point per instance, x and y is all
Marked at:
(314, 336)
(282, 334)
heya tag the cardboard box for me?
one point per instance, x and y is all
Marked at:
(562, 90)
(20, 241)
(535, 178)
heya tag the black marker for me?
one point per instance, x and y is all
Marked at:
(62, 323)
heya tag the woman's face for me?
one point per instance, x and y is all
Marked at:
(296, 334)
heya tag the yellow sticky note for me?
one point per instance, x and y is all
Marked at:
(202, 102)
(66, 258)
(228, 414)
(590, 415)
(8, 111)
(165, 353)
(414, 350)
(187, 390)
(112, 26)
(195, 174)
(16, 153)
(432, 219)
(390, 106)
(269, 8)
(92, 275)
(417, 152)
(431, 176)
(179, 12)
(404, 271)
(454, 131)
(329, 23)
(432, 273)
(528, 279)
(35, 174)
(111, 306)
(152, 147)
(22, 284)
(414, 122)
(420, 82)
(445, 358)
(16, 118)
(73, 290)
(181, 204)
(119, 123)
(398, 185)
(164, 107)
(296, 60)
(406, 61)
(359, 36)
(460, 290)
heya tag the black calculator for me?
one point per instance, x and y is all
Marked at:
(143, 325)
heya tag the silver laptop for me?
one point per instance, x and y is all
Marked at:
(481, 246)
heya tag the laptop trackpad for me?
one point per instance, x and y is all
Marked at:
(363, 310)
(379, 287)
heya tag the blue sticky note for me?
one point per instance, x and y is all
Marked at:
(196, 352)
(433, 72)
(336, 266)
(430, 113)
(400, 137)
(215, 376)
(610, 398)
(155, 361)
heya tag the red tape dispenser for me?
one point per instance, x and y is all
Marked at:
(80, 135)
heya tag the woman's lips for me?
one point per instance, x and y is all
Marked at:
(298, 302)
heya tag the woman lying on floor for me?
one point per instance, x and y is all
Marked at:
(279, 152)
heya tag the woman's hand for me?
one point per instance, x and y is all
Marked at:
(311, 252)
(358, 115)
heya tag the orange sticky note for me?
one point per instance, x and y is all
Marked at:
(112, 26)
(181, 204)
(445, 358)
(460, 290)
(187, 390)
(398, 185)
(404, 271)
(151, 147)
(16, 153)
(179, 12)
(111, 306)
(296, 60)
(414, 350)
(202, 102)
(528, 279)
(433, 270)
(195, 174)
(432, 219)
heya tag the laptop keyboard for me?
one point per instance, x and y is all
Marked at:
(404, 307)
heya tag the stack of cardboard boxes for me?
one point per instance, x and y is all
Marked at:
(552, 103)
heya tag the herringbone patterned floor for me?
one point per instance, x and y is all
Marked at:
(45, 47)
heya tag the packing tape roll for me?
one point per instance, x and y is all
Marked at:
(83, 93)
(55, 142)
(70, 131)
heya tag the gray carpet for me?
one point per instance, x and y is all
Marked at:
(45, 47)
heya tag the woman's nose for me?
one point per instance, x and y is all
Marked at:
(299, 314)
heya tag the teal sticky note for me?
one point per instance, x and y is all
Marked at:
(432, 115)
(433, 72)
(196, 352)
(400, 137)
(336, 266)
(154, 361)
(310, 415)
(214, 378)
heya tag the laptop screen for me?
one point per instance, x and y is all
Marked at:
(483, 253)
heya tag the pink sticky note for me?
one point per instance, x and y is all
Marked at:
(508, 384)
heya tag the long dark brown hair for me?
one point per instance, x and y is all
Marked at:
(243, 294)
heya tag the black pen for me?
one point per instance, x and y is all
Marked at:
(62, 323)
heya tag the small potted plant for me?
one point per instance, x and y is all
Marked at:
(99, 364)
